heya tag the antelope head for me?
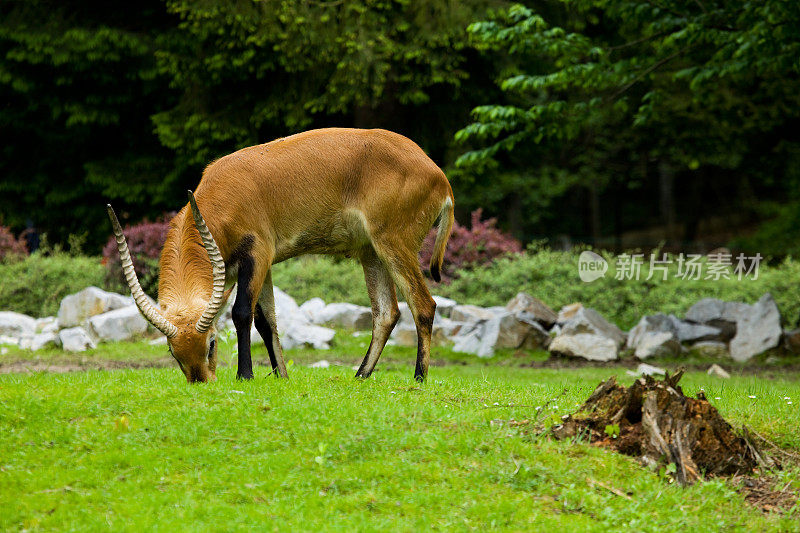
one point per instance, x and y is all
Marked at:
(190, 332)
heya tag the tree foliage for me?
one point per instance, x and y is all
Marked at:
(128, 102)
(607, 94)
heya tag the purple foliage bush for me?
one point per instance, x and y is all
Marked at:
(145, 241)
(470, 247)
(11, 246)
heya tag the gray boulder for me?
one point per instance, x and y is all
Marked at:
(501, 330)
(691, 332)
(587, 320)
(16, 324)
(405, 334)
(312, 308)
(118, 325)
(444, 306)
(47, 324)
(471, 313)
(718, 371)
(754, 328)
(585, 345)
(647, 370)
(75, 339)
(300, 333)
(78, 307)
(44, 340)
(285, 306)
(526, 307)
(345, 315)
(405, 313)
(757, 332)
(654, 335)
(567, 312)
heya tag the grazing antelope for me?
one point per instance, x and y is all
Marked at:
(369, 194)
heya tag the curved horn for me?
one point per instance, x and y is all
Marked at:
(218, 266)
(148, 310)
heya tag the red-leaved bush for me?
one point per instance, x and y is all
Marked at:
(468, 248)
(11, 246)
(145, 241)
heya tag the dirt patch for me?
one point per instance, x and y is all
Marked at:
(78, 365)
(766, 494)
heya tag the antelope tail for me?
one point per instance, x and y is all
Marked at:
(442, 234)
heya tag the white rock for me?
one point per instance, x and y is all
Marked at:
(585, 345)
(47, 324)
(299, 333)
(9, 340)
(44, 340)
(119, 325)
(649, 370)
(758, 331)
(76, 308)
(345, 315)
(320, 364)
(158, 341)
(285, 306)
(444, 306)
(586, 320)
(470, 313)
(311, 308)
(16, 324)
(654, 335)
(757, 326)
(657, 344)
(716, 370)
(525, 306)
(75, 339)
(26, 341)
(471, 343)
(405, 334)
(406, 317)
(567, 312)
(690, 332)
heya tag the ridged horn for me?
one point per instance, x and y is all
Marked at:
(142, 302)
(218, 266)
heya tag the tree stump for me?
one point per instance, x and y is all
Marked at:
(654, 421)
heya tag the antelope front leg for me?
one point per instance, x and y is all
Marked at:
(242, 314)
(267, 327)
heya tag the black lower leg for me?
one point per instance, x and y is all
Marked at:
(243, 318)
(362, 370)
(421, 369)
(264, 329)
(424, 330)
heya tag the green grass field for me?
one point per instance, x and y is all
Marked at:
(142, 450)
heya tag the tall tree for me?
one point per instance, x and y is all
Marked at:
(614, 95)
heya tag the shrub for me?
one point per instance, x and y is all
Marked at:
(145, 241)
(552, 276)
(467, 248)
(36, 284)
(10, 246)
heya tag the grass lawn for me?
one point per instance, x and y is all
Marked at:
(142, 450)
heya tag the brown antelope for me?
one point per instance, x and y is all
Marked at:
(369, 194)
